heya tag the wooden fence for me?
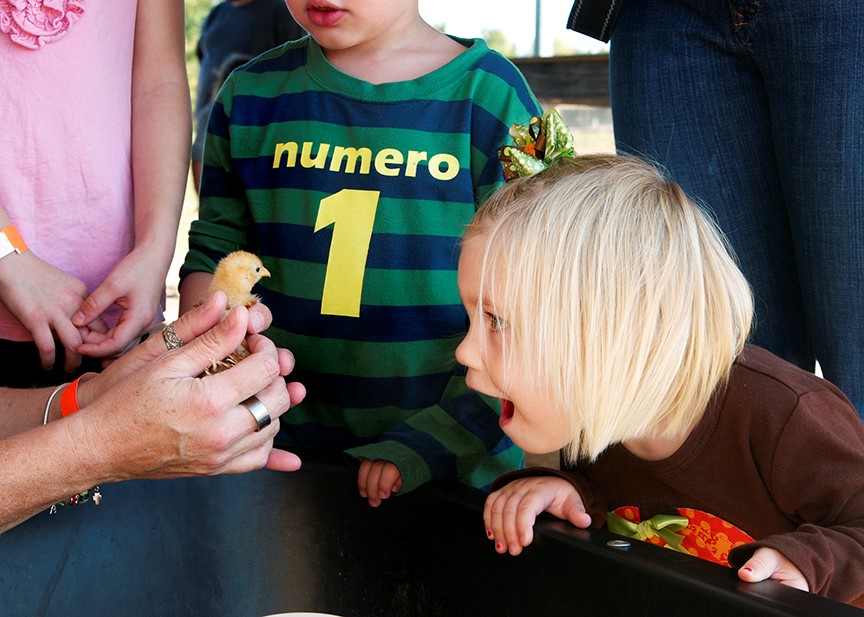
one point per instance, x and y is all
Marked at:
(580, 80)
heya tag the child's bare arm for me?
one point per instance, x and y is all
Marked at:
(511, 511)
(194, 289)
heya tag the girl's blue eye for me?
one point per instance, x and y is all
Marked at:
(496, 323)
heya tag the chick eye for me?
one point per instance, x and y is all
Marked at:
(257, 269)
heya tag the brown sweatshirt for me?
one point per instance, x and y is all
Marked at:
(779, 454)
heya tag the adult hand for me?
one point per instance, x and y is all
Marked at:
(163, 421)
(43, 298)
(770, 564)
(189, 326)
(377, 480)
(137, 288)
(510, 512)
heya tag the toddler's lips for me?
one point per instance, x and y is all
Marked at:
(325, 16)
(507, 409)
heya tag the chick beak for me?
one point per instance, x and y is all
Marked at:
(264, 272)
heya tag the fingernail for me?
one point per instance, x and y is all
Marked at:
(499, 546)
(78, 318)
(746, 569)
(489, 533)
(209, 303)
(257, 321)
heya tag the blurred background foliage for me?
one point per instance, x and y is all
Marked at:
(196, 11)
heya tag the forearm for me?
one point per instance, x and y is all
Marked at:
(21, 410)
(43, 466)
(193, 289)
(161, 127)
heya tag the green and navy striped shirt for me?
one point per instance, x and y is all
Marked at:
(355, 196)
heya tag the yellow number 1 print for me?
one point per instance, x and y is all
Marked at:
(352, 214)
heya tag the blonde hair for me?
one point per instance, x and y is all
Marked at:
(620, 296)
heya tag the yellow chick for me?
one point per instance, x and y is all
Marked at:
(236, 274)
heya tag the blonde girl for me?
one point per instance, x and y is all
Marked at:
(610, 318)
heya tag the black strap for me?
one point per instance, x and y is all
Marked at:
(594, 18)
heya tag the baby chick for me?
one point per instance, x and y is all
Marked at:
(236, 274)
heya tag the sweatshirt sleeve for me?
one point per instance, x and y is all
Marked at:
(458, 438)
(823, 490)
(224, 223)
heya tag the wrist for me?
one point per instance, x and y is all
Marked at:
(11, 242)
(87, 389)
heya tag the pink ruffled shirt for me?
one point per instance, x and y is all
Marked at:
(65, 119)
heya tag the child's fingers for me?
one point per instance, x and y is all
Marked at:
(375, 481)
(574, 511)
(767, 563)
(388, 479)
(499, 514)
(518, 523)
(362, 474)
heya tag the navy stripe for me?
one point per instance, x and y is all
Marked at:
(216, 183)
(442, 462)
(470, 411)
(310, 435)
(429, 116)
(218, 123)
(502, 68)
(386, 251)
(377, 324)
(373, 392)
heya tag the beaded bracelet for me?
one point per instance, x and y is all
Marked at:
(82, 497)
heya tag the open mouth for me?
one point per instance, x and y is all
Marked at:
(506, 410)
(325, 15)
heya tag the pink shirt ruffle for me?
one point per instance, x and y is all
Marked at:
(33, 23)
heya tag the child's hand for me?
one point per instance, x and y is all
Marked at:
(378, 480)
(769, 564)
(510, 512)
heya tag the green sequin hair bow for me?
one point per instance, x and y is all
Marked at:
(537, 145)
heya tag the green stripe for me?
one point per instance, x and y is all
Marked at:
(394, 216)
(373, 360)
(380, 287)
(493, 467)
(453, 436)
(364, 423)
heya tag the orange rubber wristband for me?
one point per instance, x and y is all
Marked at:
(69, 399)
(11, 241)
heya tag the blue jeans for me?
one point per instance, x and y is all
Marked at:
(756, 107)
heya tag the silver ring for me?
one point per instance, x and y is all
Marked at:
(258, 411)
(169, 335)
